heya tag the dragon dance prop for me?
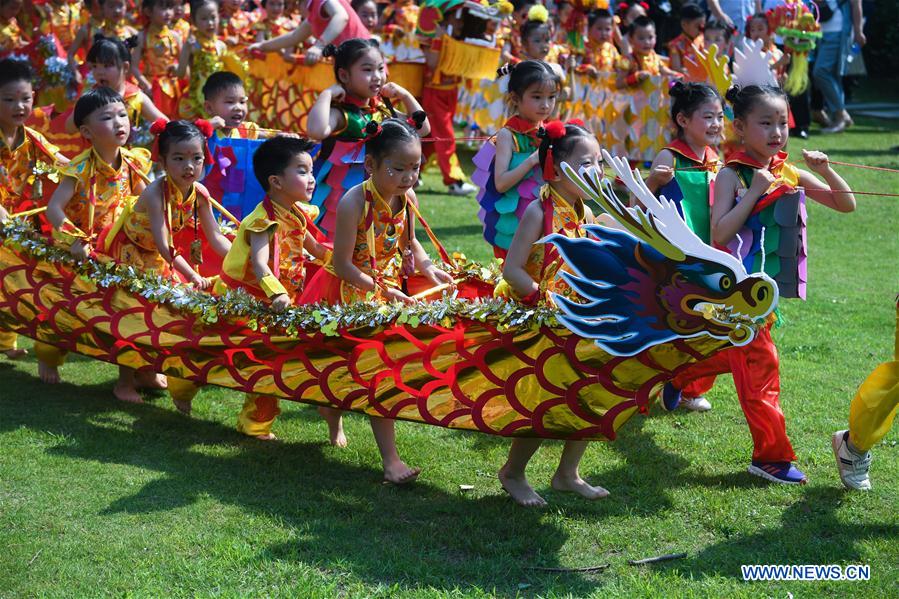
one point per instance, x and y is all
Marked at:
(654, 300)
(800, 30)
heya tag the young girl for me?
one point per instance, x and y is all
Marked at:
(112, 24)
(747, 192)
(110, 64)
(149, 233)
(625, 14)
(758, 28)
(273, 24)
(600, 53)
(529, 276)
(236, 24)
(536, 40)
(339, 117)
(158, 48)
(683, 172)
(375, 247)
(367, 10)
(203, 54)
(643, 61)
(507, 172)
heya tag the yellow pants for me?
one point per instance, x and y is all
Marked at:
(49, 355)
(258, 415)
(182, 390)
(872, 411)
(8, 341)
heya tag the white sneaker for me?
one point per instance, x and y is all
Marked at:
(853, 467)
(695, 404)
(461, 188)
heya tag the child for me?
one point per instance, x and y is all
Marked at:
(226, 104)
(61, 18)
(684, 50)
(529, 275)
(600, 53)
(683, 172)
(339, 117)
(508, 172)
(268, 256)
(273, 24)
(149, 233)
(158, 48)
(203, 54)
(743, 190)
(871, 415)
(643, 62)
(112, 24)
(236, 23)
(328, 21)
(12, 38)
(758, 28)
(21, 149)
(94, 185)
(367, 11)
(536, 40)
(181, 20)
(718, 34)
(625, 14)
(512, 45)
(379, 209)
(110, 64)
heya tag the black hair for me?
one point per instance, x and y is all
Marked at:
(349, 52)
(109, 50)
(596, 15)
(562, 146)
(473, 27)
(390, 133)
(151, 4)
(744, 99)
(195, 6)
(219, 82)
(691, 11)
(519, 4)
(176, 132)
(640, 22)
(686, 98)
(716, 25)
(355, 4)
(531, 26)
(14, 70)
(757, 16)
(527, 73)
(274, 155)
(93, 100)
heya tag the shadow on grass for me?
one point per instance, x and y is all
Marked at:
(344, 518)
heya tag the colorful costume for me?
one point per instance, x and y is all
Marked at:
(755, 366)
(339, 164)
(207, 57)
(237, 28)
(690, 52)
(162, 48)
(11, 38)
(602, 56)
(439, 98)
(691, 186)
(286, 229)
(630, 65)
(500, 213)
(62, 19)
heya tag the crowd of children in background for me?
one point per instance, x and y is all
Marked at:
(336, 222)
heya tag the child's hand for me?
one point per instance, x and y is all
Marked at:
(761, 181)
(817, 161)
(399, 296)
(200, 283)
(313, 55)
(281, 302)
(217, 122)
(80, 250)
(392, 90)
(338, 93)
(438, 276)
(660, 175)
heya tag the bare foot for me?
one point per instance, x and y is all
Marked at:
(519, 489)
(267, 437)
(15, 354)
(334, 418)
(182, 405)
(145, 379)
(48, 374)
(578, 485)
(399, 473)
(127, 393)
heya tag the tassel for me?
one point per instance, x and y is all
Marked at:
(797, 78)
(467, 60)
(549, 171)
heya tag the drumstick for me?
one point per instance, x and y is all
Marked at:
(28, 212)
(433, 290)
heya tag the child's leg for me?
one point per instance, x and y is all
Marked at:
(183, 393)
(125, 389)
(440, 104)
(258, 415)
(698, 378)
(567, 477)
(8, 345)
(334, 418)
(49, 359)
(512, 474)
(872, 411)
(395, 470)
(147, 379)
(755, 368)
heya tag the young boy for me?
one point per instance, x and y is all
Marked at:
(268, 254)
(643, 61)
(718, 34)
(600, 53)
(683, 51)
(21, 150)
(92, 187)
(226, 104)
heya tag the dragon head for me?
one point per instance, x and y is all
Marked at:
(653, 280)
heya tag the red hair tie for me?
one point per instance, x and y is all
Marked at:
(205, 127)
(577, 122)
(553, 130)
(373, 132)
(158, 125)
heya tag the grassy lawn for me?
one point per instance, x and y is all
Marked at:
(97, 497)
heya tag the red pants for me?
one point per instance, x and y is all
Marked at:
(440, 104)
(757, 379)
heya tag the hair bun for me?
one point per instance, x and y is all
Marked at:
(418, 118)
(504, 70)
(678, 88)
(131, 42)
(555, 129)
(372, 127)
(733, 94)
(99, 37)
(329, 51)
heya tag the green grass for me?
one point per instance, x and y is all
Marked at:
(97, 497)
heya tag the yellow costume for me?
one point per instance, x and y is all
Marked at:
(602, 56)
(11, 37)
(62, 20)
(207, 57)
(162, 48)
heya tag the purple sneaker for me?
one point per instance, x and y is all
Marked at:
(670, 397)
(784, 473)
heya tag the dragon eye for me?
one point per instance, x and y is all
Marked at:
(718, 281)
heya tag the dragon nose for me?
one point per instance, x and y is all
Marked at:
(760, 293)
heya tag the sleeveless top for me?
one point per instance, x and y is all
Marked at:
(691, 186)
(354, 27)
